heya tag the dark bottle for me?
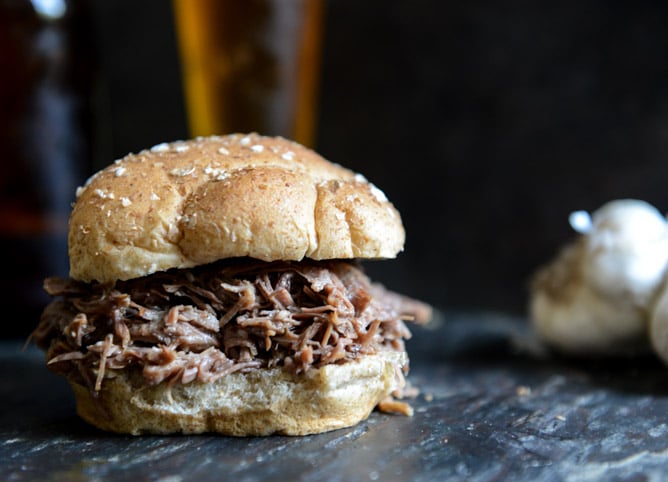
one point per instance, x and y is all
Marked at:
(46, 76)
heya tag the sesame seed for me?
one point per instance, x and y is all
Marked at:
(162, 147)
(119, 171)
(103, 194)
(80, 191)
(378, 194)
(154, 196)
(245, 141)
(125, 202)
(182, 148)
(182, 172)
(216, 173)
(92, 178)
(222, 150)
(360, 178)
(257, 148)
(288, 156)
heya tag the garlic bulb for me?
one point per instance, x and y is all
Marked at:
(595, 296)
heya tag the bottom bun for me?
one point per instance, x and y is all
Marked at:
(257, 402)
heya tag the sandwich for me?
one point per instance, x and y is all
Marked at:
(216, 285)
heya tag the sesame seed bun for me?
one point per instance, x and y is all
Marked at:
(188, 203)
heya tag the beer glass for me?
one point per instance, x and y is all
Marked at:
(250, 65)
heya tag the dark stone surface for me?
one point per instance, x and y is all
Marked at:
(493, 407)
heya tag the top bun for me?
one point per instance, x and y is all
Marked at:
(187, 203)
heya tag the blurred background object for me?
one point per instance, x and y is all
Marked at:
(250, 66)
(486, 123)
(46, 124)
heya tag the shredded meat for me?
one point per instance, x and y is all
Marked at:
(204, 323)
(391, 405)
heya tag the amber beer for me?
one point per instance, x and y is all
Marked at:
(250, 65)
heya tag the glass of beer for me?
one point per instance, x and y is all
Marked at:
(250, 65)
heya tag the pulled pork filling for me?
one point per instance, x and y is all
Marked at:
(206, 322)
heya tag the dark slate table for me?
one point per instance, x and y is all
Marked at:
(494, 406)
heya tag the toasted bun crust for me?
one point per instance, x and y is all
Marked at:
(193, 202)
(258, 402)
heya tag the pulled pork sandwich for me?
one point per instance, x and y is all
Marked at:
(216, 287)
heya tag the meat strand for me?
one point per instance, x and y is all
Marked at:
(206, 322)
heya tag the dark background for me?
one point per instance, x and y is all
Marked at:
(486, 123)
